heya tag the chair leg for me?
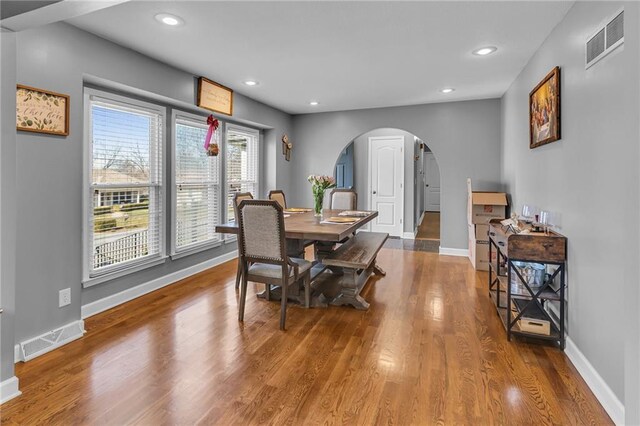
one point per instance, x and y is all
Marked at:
(243, 295)
(307, 289)
(283, 306)
(267, 290)
(239, 274)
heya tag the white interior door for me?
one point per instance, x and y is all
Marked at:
(432, 183)
(386, 166)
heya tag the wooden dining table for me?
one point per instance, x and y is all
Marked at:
(303, 229)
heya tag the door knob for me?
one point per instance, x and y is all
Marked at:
(427, 185)
(374, 192)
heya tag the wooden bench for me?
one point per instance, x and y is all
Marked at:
(357, 260)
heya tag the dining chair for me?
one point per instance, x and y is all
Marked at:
(263, 254)
(278, 195)
(239, 197)
(343, 199)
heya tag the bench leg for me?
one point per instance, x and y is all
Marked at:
(351, 283)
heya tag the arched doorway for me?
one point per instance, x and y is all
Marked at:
(356, 167)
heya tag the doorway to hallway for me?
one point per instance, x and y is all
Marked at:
(429, 228)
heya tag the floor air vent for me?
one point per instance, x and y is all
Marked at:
(605, 40)
(47, 342)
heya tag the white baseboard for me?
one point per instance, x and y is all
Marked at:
(17, 354)
(9, 389)
(409, 235)
(114, 300)
(598, 386)
(420, 220)
(444, 251)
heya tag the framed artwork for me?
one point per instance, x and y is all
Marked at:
(214, 96)
(41, 111)
(544, 110)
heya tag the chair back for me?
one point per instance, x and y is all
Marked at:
(344, 199)
(261, 226)
(278, 195)
(239, 197)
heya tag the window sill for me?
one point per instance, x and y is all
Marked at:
(123, 272)
(195, 249)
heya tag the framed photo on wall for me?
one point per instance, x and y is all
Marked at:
(544, 110)
(41, 111)
(214, 96)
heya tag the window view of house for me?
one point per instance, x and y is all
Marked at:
(125, 183)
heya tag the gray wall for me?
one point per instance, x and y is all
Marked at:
(7, 201)
(464, 136)
(60, 57)
(345, 159)
(591, 178)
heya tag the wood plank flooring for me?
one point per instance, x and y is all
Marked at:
(429, 229)
(430, 350)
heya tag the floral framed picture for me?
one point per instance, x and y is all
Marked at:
(544, 110)
(42, 111)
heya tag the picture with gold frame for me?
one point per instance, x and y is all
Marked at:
(41, 111)
(214, 96)
(544, 110)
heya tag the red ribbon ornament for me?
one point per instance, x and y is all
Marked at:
(213, 126)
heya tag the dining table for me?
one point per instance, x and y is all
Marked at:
(303, 228)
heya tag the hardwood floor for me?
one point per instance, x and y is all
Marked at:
(430, 350)
(429, 229)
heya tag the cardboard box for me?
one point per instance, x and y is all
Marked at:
(479, 254)
(486, 206)
(481, 262)
(482, 232)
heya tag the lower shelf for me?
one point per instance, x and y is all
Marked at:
(554, 334)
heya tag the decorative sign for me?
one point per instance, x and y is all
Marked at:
(42, 111)
(214, 96)
(287, 146)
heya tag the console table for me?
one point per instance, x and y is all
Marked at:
(526, 310)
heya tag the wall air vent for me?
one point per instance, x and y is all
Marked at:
(605, 40)
(49, 341)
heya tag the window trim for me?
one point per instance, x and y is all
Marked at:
(231, 238)
(88, 278)
(177, 253)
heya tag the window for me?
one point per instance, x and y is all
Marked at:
(241, 164)
(196, 200)
(124, 175)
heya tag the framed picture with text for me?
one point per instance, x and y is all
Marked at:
(41, 111)
(214, 96)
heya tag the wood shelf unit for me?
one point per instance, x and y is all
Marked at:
(509, 291)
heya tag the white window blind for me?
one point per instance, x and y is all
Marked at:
(241, 164)
(126, 184)
(197, 185)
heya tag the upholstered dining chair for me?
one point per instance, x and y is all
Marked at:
(263, 254)
(278, 195)
(239, 197)
(343, 199)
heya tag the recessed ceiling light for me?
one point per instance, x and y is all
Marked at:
(485, 51)
(314, 103)
(168, 19)
(251, 83)
(448, 90)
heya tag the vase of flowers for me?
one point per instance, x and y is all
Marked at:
(319, 184)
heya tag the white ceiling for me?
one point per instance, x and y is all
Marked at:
(346, 55)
